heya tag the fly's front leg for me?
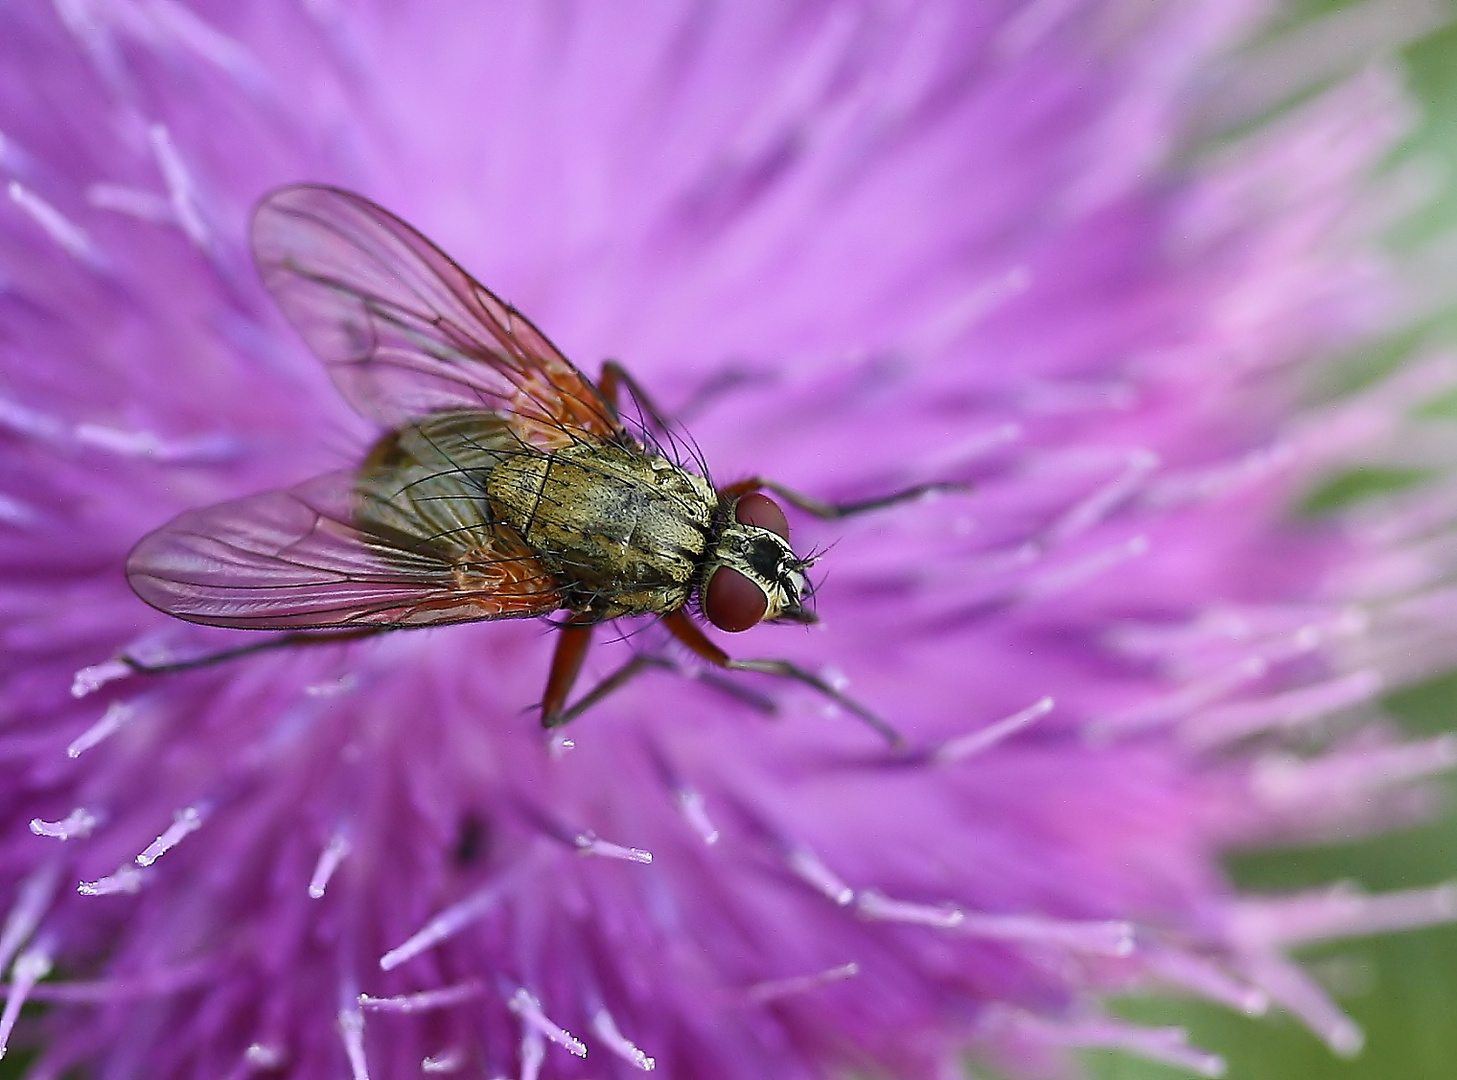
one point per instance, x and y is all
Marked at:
(686, 631)
(832, 511)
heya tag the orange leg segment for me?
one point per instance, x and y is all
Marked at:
(614, 378)
(566, 665)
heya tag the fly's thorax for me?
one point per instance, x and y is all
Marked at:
(752, 574)
(628, 529)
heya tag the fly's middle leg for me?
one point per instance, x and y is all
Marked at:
(566, 665)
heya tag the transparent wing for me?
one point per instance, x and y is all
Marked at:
(404, 330)
(297, 559)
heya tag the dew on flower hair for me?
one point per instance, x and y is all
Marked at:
(605, 1028)
(180, 189)
(32, 900)
(443, 1063)
(694, 810)
(29, 968)
(875, 906)
(833, 676)
(1168, 1045)
(525, 1005)
(775, 989)
(1280, 712)
(589, 844)
(77, 825)
(811, 869)
(69, 236)
(263, 1056)
(117, 714)
(88, 680)
(334, 853)
(351, 1031)
(425, 1000)
(961, 747)
(124, 880)
(184, 822)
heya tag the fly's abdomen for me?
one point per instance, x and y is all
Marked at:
(626, 531)
(423, 487)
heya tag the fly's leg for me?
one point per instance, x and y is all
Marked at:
(566, 665)
(618, 679)
(614, 378)
(832, 511)
(289, 640)
(660, 434)
(687, 632)
(568, 659)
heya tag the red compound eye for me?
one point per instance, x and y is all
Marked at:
(733, 602)
(763, 512)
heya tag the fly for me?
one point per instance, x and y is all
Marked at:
(506, 485)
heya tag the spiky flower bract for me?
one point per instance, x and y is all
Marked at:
(855, 248)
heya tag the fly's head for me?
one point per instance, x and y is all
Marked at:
(753, 575)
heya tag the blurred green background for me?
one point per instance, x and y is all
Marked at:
(1401, 989)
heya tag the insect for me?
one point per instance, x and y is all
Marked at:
(506, 485)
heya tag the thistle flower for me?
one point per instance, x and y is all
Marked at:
(858, 249)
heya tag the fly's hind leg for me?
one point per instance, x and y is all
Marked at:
(687, 632)
(292, 639)
(832, 511)
(614, 378)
